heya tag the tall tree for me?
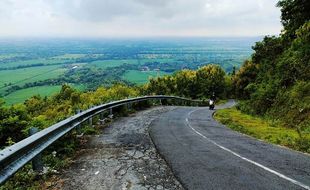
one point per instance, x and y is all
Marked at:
(294, 13)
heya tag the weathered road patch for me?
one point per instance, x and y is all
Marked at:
(122, 157)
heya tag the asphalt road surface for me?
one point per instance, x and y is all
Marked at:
(204, 154)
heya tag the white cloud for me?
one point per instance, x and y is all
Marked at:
(100, 18)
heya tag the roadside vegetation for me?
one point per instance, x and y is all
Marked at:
(195, 84)
(42, 112)
(265, 129)
(275, 84)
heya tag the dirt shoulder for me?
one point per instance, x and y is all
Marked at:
(121, 157)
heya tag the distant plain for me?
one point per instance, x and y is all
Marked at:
(39, 67)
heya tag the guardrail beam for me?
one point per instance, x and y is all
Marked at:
(16, 156)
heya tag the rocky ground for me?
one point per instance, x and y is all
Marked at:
(122, 157)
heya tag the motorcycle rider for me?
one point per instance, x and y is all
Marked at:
(212, 101)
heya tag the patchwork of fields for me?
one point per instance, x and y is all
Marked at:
(141, 77)
(41, 68)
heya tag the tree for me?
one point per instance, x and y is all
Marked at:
(186, 83)
(294, 13)
(210, 78)
(276, 81)
(65, 93)
(245, 76)
(294, 65)
(12, 121)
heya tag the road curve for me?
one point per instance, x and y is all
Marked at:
(204, 154)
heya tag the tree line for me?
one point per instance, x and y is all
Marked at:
(275, 82)
(195, 84)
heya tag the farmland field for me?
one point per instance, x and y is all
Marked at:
(22, 95)
(22, 76)
(32, 62)
(103, 64)
(141, 77)
(69, 56)
(42, 66)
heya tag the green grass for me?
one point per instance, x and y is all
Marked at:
(140, 77)
(221, 101)
(263, 129)
(32, 61)
(79, 87)
(32, 74)
(69, 56)
(103, 64)
(20, 96)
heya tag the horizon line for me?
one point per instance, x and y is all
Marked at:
(129, 37)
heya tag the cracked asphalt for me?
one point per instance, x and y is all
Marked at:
(122, 157)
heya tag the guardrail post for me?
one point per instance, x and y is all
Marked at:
(160, 103)
(37, 164)
(90, 121)
(111, 113)
(101, 115)
(78, 128)
(129, 106)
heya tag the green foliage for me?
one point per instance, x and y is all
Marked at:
(276, 79)
(276, 82)
(186, 79)
(210, 78)
(140, 77)
(293, 106)
(16, 120)
(194, 84)
(270, 131)
(89, 130)
(22, 180)
(294, 64)
(266, 52)
(12, 121)
(242, 81)
(161, 85)
(294, 14)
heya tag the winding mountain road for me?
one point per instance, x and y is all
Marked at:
(204, 154)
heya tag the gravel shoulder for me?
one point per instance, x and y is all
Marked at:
(123, 156)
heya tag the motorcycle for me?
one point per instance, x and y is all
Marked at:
(211, 104)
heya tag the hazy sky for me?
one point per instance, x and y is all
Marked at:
(127, 18)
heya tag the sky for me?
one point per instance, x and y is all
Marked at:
(138, 18)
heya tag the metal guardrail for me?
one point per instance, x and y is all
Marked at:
(16, 156)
